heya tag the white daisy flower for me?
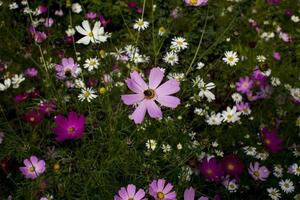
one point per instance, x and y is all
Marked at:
(295, 169)
(278, 171)
(179, 43)
(166, 148)
(287, 186)
(17, 79)
(91, 64)
(274, 193)
(250, 151)
(5, 85)
(87, 94)
(171, 58)
(214, 119)
(97, 35)
(295, 19)
(205, 90)
(237, 97)
(231, 58)
(231, 115)
(140, 24)
(76, 8)
(13, 6)
(295, 92)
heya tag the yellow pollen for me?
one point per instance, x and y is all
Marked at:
(130, 199)
(149, 94)
(86, 94)
(90, 34)
(209, 171)
(93, 62)
(162, 29)
(140, 23)
(230, 59)
(179, 43)
(71, 130)
(160, 195)
(229, 116)
(32, 119)
(31, 169)
(267, 141)
(230, 166)
(256, 173)
(193, 2)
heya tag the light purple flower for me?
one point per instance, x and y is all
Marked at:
(196, 2)
(33, 167)
(130, 193)
(159, 190)
(31, 72)
(244, 85)
(67, 68)
(277, 56)
(146, 95)
(69, 128)
(48, 22)
(189, 194)
(91, 15)
(258, 172)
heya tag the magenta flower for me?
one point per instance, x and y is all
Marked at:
(33, 167)
(211, 169)
(273, 2)
(259, 78)
(47, 107)
(130, 193)
(67, 68)
(33, 117)
(233, 165)
(19, 98)
(146, 95)
(69, 128)
(244, 85)
(277, 56)
(159, 190)
(243, 107)
(31, 72)
(104, 21)
(196, 2)
(258, 172)
(271, 140)
(91, 15)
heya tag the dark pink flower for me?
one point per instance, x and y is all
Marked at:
(104, 21)
(130, 193)
(91, 15)
(47, 107)
(211, 169)
(271, 140)
(132, 4)
(273, 2)
(160, 190)
(277, 56)
(146, 95)
(33, 117)
(244, 85)
(31, 72)
(69, 128)
(21, 97)
(233, 165)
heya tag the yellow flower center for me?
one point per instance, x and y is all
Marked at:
(130, 199)
(267, 141)
(31, 169)
(86, 94)
(32, 119)
(90, 34)
(93, 62)
(162, 30)
(230, 166)
(209, 171)
(140, 23)
(229, 116)
(230, 58)
(149, 94)
(179, 43)
(256, 173)
(160, 195)
(193, 2)
(71, 130)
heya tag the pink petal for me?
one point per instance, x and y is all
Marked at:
(123, 193)
(168, 188)
(131, 190)
(139, 80)
(155, 78)
(160, 184)
(34, 160)
(168, 101)
(153, 109)
(139, 195)
(133, 86)
(130, 99)
(171, 195)
(169, 87)
(139, 114)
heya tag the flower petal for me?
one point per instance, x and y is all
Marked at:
(155, 78)
(169, 87)
(130, 99)
(168, 101)
(139, 114)
(153, 109)
(139, 80)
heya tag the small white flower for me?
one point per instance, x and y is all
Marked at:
(287, 186)
(179, 146)
(231, 115)
(205, 89)
(151, 144)
(179, 43)
(262, 155)
(177, 76)
(295, 169)
(161, 31)
(237, 97)
(59, 13)
(76, 8)
(231, 58)
(295, 19)
(17, 79)
(275, 81)
(91, 64)
(1, 3)
(199, 111)
(200, 65)
(214, 119)
(140, 24)
(5, 85)
(70, 32)
(97, 35)
(166, 148)
(215, 144)
(250, 151)
(295, 92)
(278, 170)
(87, 94)
(274, 193)
(261, 58)
(24, 2)
(171, 58)
(79, 84)
(13, 6)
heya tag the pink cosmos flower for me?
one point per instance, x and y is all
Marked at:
(258, 172)
(196, 2)
(189, 194)
(271, 140)
(244, 85)
(233, 165)
(159, 190)
(130, 193)
(69, 128)
(211, 169)
(146, 95)
(67, 68)
(31, 72)
(277, 56)
(33, 117)
(33, 167)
